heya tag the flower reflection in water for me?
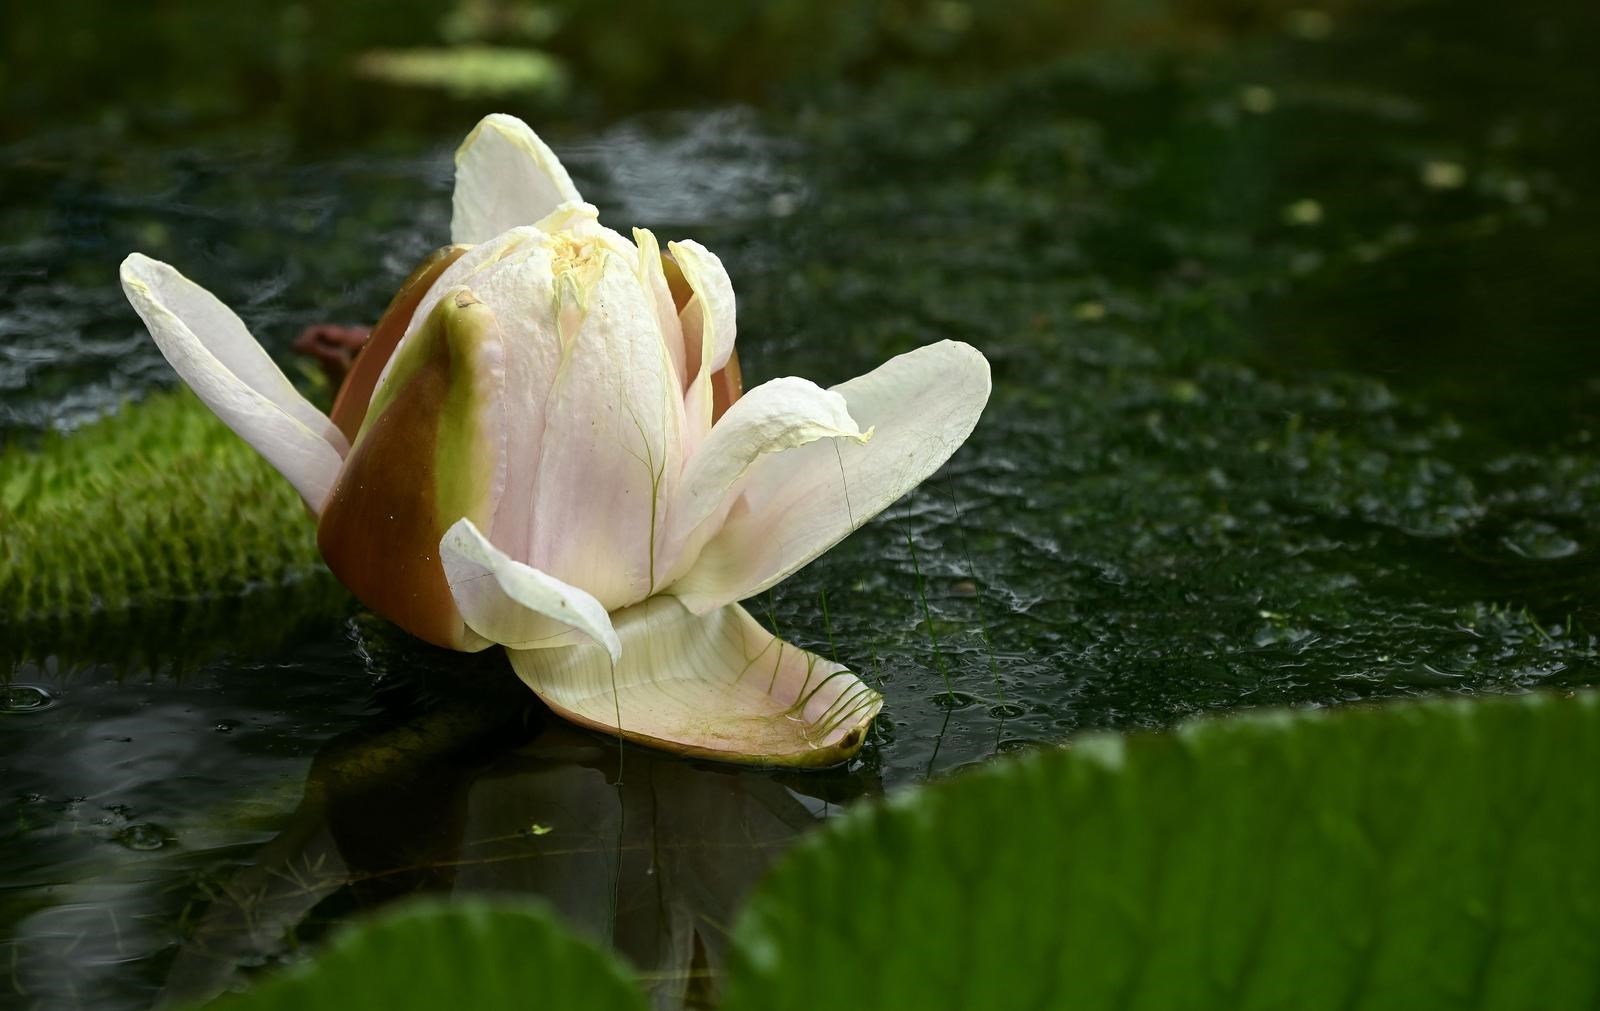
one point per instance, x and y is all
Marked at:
(649, 853)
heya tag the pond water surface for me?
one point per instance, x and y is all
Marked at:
(1295, 399)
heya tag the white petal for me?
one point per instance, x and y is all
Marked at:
(516, 605)
(713, 289)
(468, 269)
(513, 276)
(223, 334)
(718, 686)
(709, 326)
(609, 459)
(798, 504)
(212, 351)
(775, 416)
(505, 176)
(573, 215)
(654, 280)
(582, 221)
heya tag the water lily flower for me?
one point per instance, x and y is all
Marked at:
(545, 445)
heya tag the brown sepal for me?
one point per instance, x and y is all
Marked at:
(350, 406)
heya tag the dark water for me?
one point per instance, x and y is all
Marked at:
(1294, 360)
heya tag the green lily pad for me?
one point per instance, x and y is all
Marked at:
(160, 503)
(479, 955)
(1433, 855)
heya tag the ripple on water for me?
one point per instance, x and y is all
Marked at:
(19, 698)
(144, 836)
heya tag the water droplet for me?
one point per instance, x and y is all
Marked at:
(25, 699)
(143, 836)
(1007, 711)
(225, 726)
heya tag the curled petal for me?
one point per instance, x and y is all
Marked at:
(505, 176)
(718, 686)
(708, 321)
(350, 406)
(712, 289)
(799, 503)
(727, 383)
(514, 604)
(432, 450)
(209, 347)
(776, 416)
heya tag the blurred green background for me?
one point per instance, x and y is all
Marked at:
(332, 71)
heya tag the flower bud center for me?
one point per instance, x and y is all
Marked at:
(571, 254)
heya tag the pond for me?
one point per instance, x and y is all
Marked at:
(1295, 397)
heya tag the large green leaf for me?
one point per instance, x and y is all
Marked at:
(471, 955)
(1439, 855)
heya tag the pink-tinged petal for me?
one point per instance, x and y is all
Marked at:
(355, 393)
(654, 278)
(470, 268)
(516, 273)
(709, 324)
(609, 459)
(717, 686)
(513, 273)
(582, 221)
(779, 415)
(432, 450)
(505, 176)
(799, 503)
(727, 383)
(713, 290)
(516, 605)
(209, 347)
